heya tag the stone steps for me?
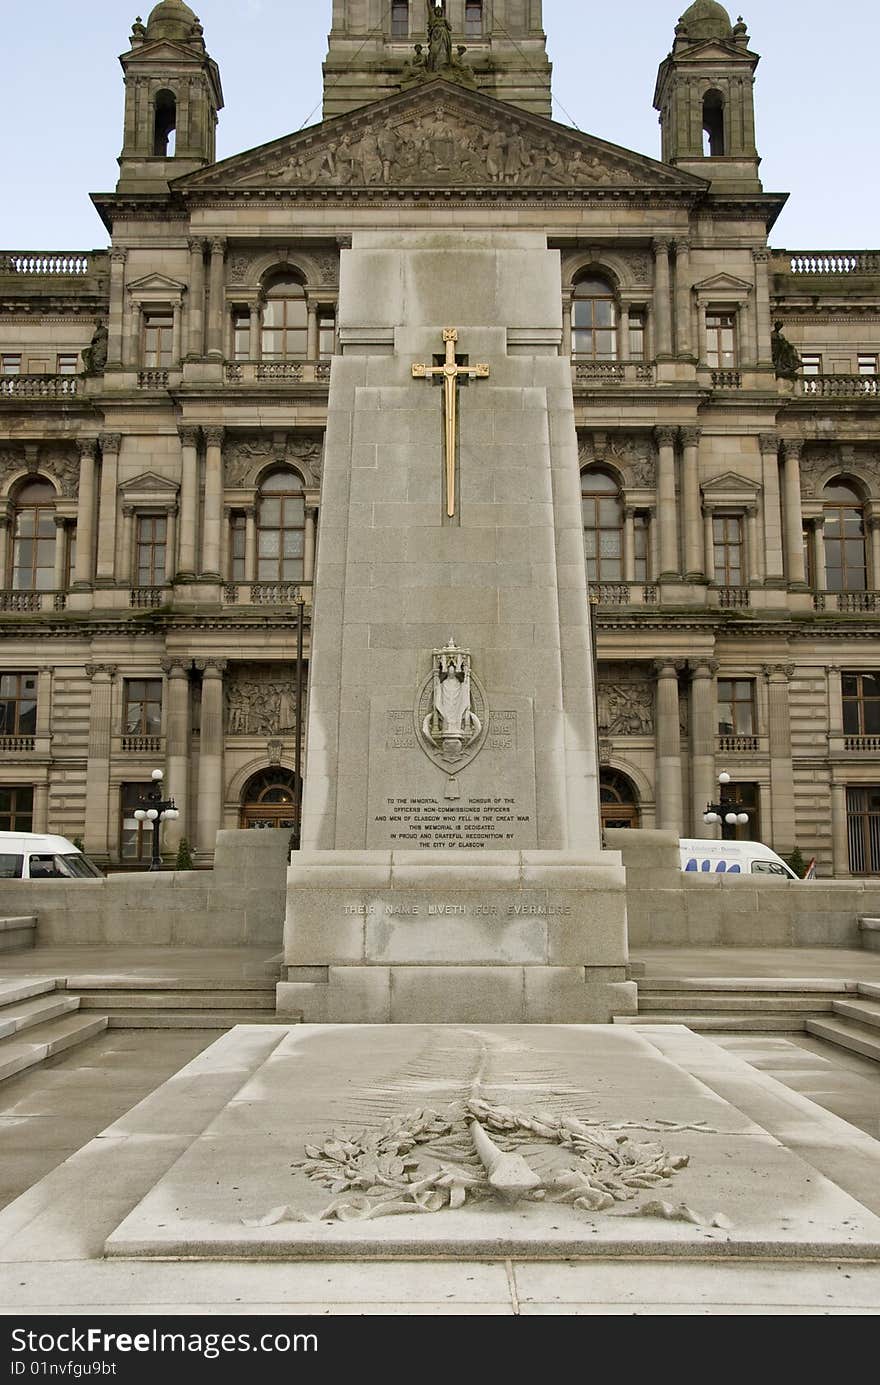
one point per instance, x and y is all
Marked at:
(24, 1014)
(859, 1038)
(22, 1051)
(17, 933)
(738, 1001)
(728, 1022)
(208, 999)
(172, 1003)
(192, 1019)
(865, 1012)
(870, 989)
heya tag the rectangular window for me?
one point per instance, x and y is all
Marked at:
(867, 364)
(736, 707)
(811, 363)
(861, 704)
(863, 829)
(158, 339)
(473, 18)
(143, 707)
(66, 363)
(400, 19)
(640, 540)
(135, 838)
(237, 547)
(636, 336)
(150, 549)
(721, 341)
(326, 335)
(18, 704)
(17, 809)
(727, 531)
(241, 334)
(10, 362)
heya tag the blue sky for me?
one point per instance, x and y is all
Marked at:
(816, 100)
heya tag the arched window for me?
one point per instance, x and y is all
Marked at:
(603, 526)
(281, 520)
(165, 125)
(594, 321)
(846, 568)
(34, 538)
(285, 322)
(620, 807)
(269, 800)
(713, 125)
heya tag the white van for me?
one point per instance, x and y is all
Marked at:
(732, 858)
(32, 856)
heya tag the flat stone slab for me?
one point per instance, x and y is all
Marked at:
(532, 1142)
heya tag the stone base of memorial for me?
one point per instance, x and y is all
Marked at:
(501, 937)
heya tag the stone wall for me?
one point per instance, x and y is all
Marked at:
(240, 902)
(666, 907)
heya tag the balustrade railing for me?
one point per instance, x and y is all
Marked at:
(149, 598)
(266, 593)
(738, 745)
(58, 263)
(612, 373)
(862, 743)
(141, 745)
(153, 379)
(726, 380)
(11, 744)
(625, 593)
(839, 386)
(847, 603)
(734, 598)
(278, 372)
(39, 386)
(26, 603)
(829, 261)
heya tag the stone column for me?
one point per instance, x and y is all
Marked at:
(309, 543)
(773, 559)
(684, 345)
(126, 573)
(753, 541)
(839, 832)
(44, 705)
(817, 530)
(312, 332)
(762, 306)
(60, 553)
(213, 502)
(195, 335)
(250, 544)
(4, 551)
(666, 502)
(216, 310)
(41, 807)
(256, 332)
(98, 764)
(189, 491)
(629, 546)
(85, 516)
(132, 335)
(703, 727)
(623, 333)
(170, 545)
(794, 524)
(709, 542)
(566, 322)
(668, 746)
(177, 734)
(106, 567)
(778, 678)
(874, 527)
(209, 807)
(662, 305)
(117, 308)
(177, 336)
(693, 537)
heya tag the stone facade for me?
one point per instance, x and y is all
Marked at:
(160, 460)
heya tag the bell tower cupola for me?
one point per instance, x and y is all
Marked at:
(172, 97)
(705, 96)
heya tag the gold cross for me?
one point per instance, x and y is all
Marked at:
(451, 374)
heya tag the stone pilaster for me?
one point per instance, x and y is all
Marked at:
(85, 516)
(683, 330)
(874, 529)
(762, 306)
(662, 302)
(703, 725)
(839, 832)
(213, 502)
(668, 746)
(794, 523)
(195, 327)
(177, 745)
(41, 807)
(98, 826)
(755, 556)
(693, 535)
(4, 550)
(115, 326)
(189, 490)
(60, 552)
(107, 515)
(666, 502)
(773, 548)
(310, 542)
(217, 307)
(209, 803)
(778, 678)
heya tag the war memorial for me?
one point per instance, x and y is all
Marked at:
(363, 386)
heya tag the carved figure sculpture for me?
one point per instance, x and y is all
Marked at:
(452, 723)
(95, 354)
(439, 39)
(786, 359)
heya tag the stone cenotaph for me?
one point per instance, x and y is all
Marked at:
(451, 867)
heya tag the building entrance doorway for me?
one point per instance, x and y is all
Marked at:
(269, 800)
(620, 807)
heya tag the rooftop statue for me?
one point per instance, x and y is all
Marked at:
(438, 57)
(785, 357)
(439, 39)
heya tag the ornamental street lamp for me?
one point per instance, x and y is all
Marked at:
(157, 810)
(725, 811)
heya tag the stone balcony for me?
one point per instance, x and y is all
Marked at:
(826, 264)
(847, 603)
(124, 744)
(32, 603)
(862, 747)
(41, 387)
(267, 594)
(602, 374)
(849, 388)
(251, 373)
(741, 745)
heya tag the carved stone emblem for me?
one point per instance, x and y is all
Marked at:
(451, 715)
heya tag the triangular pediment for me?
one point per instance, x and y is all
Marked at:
(156, 283)
(719, 282)
(148, 486)
(438, 135)
(729, 485)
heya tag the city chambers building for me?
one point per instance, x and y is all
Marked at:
(163, 404)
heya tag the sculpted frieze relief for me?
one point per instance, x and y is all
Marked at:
(260, 699)
(59, 462)
(244, 458)
(632, 455)
(625, 701)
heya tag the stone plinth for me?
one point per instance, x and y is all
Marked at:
(450, 936)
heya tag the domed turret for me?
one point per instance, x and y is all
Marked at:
(705, 20)
(171, 19)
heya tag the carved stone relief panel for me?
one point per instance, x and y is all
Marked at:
(630, 453)
(245, 457)
(625, 699)
(260, 699)
(56, 460)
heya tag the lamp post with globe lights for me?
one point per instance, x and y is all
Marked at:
(155, 809)
(725, 812)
